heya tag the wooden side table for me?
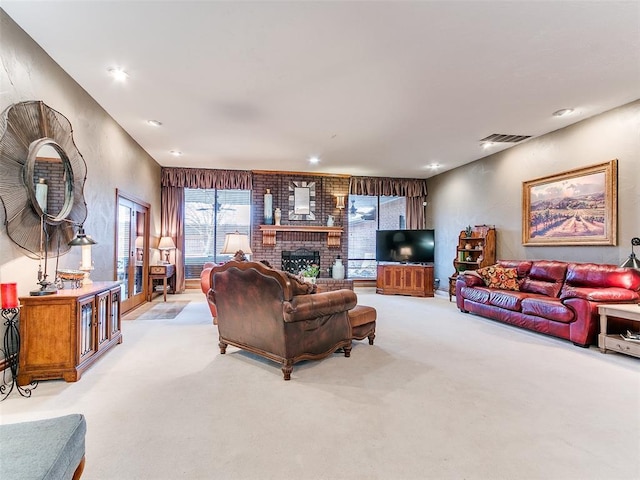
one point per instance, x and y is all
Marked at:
(629, 311)
(160, 272)
(452, 285)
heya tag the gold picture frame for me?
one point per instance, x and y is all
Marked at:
(578, 207)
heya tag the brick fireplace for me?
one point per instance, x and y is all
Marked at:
(327, 188)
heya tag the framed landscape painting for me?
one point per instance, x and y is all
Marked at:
(578, 207)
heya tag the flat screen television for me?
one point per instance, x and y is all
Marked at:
(405, 246)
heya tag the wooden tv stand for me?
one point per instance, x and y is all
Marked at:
(405, 279)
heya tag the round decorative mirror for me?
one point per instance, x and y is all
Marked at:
(46, 175)
(42, 177)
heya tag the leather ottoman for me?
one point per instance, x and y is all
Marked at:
(363, 322)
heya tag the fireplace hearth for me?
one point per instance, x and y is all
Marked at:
(299, 259)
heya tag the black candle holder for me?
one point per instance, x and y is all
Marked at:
(11, 354)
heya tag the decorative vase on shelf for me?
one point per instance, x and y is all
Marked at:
(337, 270)
(330, 221)
(268, 207)
(277, 216)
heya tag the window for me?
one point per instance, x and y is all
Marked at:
(366, 215)
(210, 214)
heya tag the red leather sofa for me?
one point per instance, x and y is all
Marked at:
(552, 297)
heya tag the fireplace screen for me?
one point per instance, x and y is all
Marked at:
(294, 261)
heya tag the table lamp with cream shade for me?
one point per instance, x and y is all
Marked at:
(165, 246)
(237, 244)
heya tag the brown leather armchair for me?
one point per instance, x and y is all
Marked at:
(266, 312)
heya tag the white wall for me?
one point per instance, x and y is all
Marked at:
(489, 191)
(113, 158)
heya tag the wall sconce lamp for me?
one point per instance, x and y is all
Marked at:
(632, 261)
(340, 202)
(165, 246)
(237, 244)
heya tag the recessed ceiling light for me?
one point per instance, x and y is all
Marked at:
(175, 153)
(313, 160)
(563, 112)
(154, 123)
(487, 144)
(434, 166)
(118, 74)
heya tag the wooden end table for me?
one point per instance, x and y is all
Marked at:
(161, 272)
(452, 285)
(628, 311)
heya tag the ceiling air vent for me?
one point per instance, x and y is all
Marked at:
(503, 138)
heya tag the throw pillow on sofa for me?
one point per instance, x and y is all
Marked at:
(495, 276)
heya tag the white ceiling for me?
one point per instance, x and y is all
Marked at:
(373, 88)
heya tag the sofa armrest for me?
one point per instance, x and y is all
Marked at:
(609, 294)
(470, 280)
(305, 307)
(205, 280)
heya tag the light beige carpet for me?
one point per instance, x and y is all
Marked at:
(441, 395)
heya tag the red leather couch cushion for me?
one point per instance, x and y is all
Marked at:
(545, 278)
(600, 276)
(507, 299)
(522, 267)
(476, 294)
(547, 308)
(610, 295)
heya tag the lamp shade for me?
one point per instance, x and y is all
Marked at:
(166, 243)
(140, 242)
(340, 202)
(81, 239)
(235, 242)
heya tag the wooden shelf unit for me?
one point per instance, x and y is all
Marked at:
(476, 251)
(64, 333)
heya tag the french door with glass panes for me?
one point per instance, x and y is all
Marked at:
(132, 245)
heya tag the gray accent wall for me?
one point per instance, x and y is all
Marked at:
(489, 190)
(114, 160)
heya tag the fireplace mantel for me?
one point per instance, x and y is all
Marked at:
(269, 233)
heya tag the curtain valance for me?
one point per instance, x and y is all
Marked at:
(389, 187)
(207, 178)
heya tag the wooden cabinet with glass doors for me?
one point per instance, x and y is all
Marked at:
(64, 333)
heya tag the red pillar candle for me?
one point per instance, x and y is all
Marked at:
(9, 294)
